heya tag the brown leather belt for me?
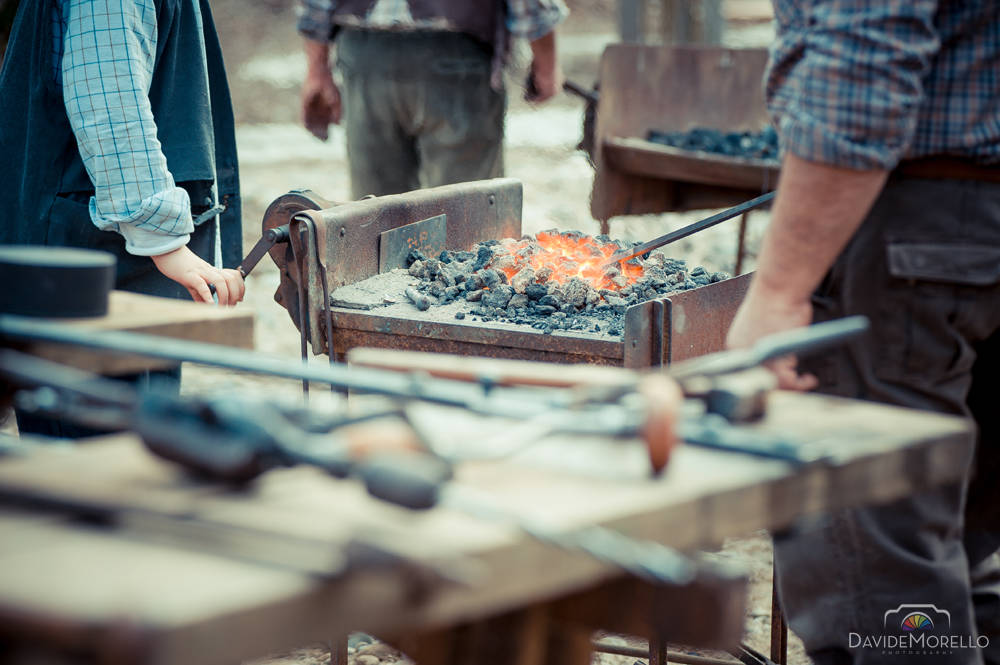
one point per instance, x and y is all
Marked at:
(937, 167)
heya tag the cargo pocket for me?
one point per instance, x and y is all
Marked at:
(933, 306)
(970, 265)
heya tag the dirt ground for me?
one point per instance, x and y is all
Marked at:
(266, 66)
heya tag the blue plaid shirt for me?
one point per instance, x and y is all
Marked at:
(864, 83)
(530, 19)
(104, 52)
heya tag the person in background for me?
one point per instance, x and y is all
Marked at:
(117, 132)
(423, 99)
(889, 206)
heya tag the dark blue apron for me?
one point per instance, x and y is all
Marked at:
(44, 188)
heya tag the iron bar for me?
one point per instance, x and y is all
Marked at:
(690, 229)
(672, 656)
(516, 403)
(807, 339)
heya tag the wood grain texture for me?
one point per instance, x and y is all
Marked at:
(197, 597)
(672, 88)
(640, 157)
(166, 317)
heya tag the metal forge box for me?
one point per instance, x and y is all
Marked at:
(336, 246)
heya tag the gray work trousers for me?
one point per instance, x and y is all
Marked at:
(418, 110)
(925, 267)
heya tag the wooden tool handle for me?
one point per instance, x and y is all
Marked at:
(663, 402)
(498, 372)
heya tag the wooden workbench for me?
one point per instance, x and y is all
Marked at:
(166, 317)
(170, 571)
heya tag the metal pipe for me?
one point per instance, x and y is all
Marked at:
(672, 656)
(800, 341)
(690, 229)
(517, 403)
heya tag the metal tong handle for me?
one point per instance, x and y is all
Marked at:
(269, 239)
(799, 341)
(690, 229)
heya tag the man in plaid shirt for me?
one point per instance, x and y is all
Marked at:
(423, 100)
(889, 206)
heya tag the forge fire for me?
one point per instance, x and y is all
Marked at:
(551, 281)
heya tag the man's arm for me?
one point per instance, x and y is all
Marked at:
(320, 96)
(845, 87)
(817, 210)
(546, 73)
(109, 49)
(536, 21)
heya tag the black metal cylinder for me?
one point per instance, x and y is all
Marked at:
(57, 282)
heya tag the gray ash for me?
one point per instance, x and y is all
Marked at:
(550, 282)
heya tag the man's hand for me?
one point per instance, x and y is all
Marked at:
(817, 210)
(762, 315)
(191, 271)
(320, 96)
(546, 78)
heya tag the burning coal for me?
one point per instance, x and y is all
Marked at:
(558, 258)
(554, 280)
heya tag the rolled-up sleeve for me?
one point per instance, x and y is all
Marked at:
(533, 19)
(107, 66)
(845, 81)
(316, 19)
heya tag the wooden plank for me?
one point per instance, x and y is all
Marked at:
(748, 11)
(499, 372)
(671, 88)
(645, 158)
(133, 312)
(568, 482)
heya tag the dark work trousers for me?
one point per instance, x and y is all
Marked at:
(925, 268)
(418, 110)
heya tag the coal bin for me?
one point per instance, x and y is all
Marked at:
(752, 145)
(552, 281)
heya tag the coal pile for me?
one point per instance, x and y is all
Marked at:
(552, 281)
(751, 145)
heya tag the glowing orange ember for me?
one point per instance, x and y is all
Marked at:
(558, 258)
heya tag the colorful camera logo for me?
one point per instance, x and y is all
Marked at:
(915, 618)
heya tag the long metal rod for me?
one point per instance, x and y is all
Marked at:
(690, 229)
(672, 656)
(799, 341)
(501, 401)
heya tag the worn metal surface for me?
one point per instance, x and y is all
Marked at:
(645, 339)
(681, 87)
(697, 321)
(701, 316)
(343, 248)
(426, 331)
(428, 236)
(263, 246)
(340, 246)
(482, 210)
(278, 214)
